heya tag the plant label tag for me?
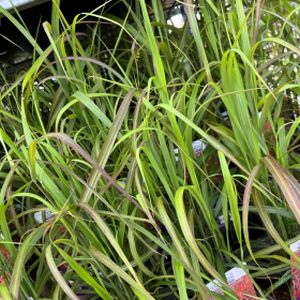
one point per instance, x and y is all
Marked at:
(198, 146)
(238, 281)
(295, 247)
(38, 216)
(214, 287)
(241, 284)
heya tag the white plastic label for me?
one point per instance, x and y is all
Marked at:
(198, 146)
(39, 216)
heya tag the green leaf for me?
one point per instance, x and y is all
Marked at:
(84, 275)
(57, 275)
(31, 157)
(232, 197)
(288, 184)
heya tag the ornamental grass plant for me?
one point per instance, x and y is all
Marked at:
(102, 194)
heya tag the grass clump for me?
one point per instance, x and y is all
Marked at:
(96, 140)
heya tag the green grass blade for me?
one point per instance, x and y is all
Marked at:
(289, 186)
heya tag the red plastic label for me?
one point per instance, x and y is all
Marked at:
(239, 282)
(295, 247)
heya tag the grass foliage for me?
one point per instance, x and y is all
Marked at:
(88, 133)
